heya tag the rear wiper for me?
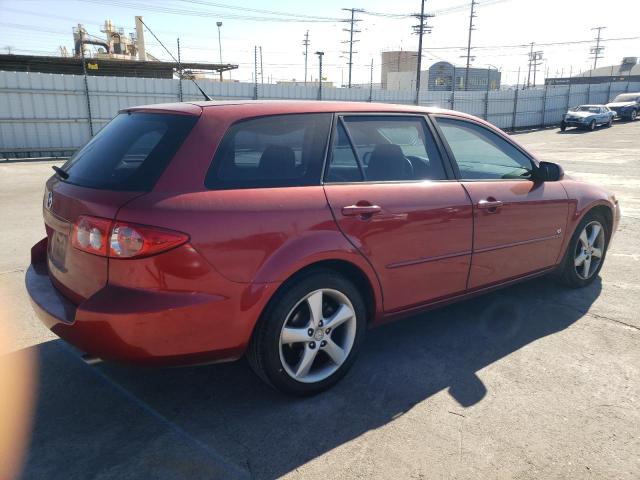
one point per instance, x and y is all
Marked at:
(64, 175)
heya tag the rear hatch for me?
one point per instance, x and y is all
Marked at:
(123, 161)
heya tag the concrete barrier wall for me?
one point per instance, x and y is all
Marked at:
(48, 114)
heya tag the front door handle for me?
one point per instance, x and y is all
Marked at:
(490, 204)
(362, 210)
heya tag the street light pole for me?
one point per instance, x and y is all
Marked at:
(219, 24)
(320, 54)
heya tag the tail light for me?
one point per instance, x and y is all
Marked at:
(107, 238)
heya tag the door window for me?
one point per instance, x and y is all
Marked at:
(481, 154)
(272, 151)
(386, 149)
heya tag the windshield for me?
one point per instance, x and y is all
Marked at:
(586, 108)
(627, 97)
(130, 152)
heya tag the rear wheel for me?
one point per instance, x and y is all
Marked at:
(634, 115)
(610, 123)
(563, 127)
(309, 334)
(586, 252)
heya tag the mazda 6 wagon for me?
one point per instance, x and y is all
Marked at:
(192, 233)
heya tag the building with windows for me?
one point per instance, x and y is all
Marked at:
(444, 76)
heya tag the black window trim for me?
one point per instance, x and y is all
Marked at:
(428, 124)
(452, 158)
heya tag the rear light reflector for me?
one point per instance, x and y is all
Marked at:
(101, 236)
(133, 241)
(90, 235)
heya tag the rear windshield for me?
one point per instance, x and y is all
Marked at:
(627, 97)
(271, 151)
(129, 153)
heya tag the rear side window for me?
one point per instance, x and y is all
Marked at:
(130, 153)
(388, 148)
(273, 151)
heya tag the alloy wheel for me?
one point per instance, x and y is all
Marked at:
(589, 250)
(317, 335)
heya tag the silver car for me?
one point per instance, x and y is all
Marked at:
(587, 117)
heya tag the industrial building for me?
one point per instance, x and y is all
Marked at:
(440, 77)
(397, 61)
(117, 55)
(627, 71)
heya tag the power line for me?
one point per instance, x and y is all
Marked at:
(351, 41)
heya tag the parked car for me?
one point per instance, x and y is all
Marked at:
(626, 105)
(587, 117)
(200, 232)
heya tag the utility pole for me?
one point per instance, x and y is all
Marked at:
(351, 41)
(472, 15)
(537, 61)
(420, 29)
(219, 24)
(261, 70)
(305, 42)
(320, 54)
(597, 50)
(530, 60)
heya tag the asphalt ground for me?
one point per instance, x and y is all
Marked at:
(534, 381)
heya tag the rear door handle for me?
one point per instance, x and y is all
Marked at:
(490, 204)
(364, 210)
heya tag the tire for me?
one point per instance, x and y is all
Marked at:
(610, 123)
(563, 127)
(573, 275)
(592, 125)
(633, 115)
(281, 364)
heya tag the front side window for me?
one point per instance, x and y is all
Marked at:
(273, 151)
(481, 154)
(387, 148)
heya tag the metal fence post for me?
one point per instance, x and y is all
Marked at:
(515, 111)
(544, 105)
(486, 97)
(453, 89)
(610, 82)
(179, 74)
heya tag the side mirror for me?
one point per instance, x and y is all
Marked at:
(549, 172)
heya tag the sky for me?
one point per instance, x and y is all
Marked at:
(502, 28)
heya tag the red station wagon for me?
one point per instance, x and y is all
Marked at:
(200, 232)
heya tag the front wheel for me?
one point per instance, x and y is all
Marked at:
(592, 125)
(634, 115)
(563, 127)
(308, 337)
(585, 252)
(610, 123)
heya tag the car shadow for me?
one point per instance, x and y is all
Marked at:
(220, 421)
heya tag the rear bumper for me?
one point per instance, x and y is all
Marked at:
(141, 325)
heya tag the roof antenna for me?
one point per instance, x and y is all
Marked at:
(206, 97)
